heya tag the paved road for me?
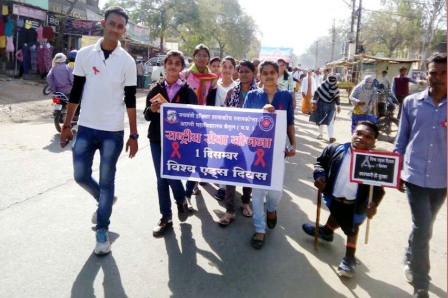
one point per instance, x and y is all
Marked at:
(47, 239)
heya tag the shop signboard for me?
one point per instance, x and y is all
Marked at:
(272, 53)
(82, 27)
(30, 12)
(138, 33)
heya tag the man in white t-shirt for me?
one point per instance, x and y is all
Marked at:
(104, 73)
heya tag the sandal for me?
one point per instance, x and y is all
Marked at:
(257, 243)
(226, 219)
(246, 210)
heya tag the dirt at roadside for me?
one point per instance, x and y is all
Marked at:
(23, 100)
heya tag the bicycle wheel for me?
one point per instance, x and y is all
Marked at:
(388, 127)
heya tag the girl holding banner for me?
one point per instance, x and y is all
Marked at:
(270, 98)
(173, 90)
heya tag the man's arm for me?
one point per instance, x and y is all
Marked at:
(130, 102)
(74, 100)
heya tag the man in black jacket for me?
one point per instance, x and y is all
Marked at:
(347, 201)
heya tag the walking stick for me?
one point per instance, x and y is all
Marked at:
(316, 229)
(368, 219)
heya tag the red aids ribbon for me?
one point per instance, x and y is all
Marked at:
(280, 106)
(175, 146)
(95, 70)
(260, 154)
(444, 123)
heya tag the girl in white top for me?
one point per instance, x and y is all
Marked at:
(225, 83)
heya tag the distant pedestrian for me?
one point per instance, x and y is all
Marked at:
(104, 74)
(364, 99)
(400, 86)
(308, 88)
(325, 105)
(422, 142)
(157, 73)
(140, 74)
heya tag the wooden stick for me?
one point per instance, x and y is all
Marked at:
(316, 229)
(368, 219)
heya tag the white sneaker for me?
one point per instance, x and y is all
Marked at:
(102, 242)
(94, 215)
(189, 204)
(320, 137)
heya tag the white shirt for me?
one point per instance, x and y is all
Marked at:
(304, 87)
(102, 104)
(157, 73)
(221, 93)
(343, 188)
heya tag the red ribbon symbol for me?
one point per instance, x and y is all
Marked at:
(175, 146)
(95, 70)
(444, 123)
(260, 154)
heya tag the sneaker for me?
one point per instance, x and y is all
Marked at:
(332, 140)
(196, 190)
(102, 242)
(162, 226)
(220, 194)
(189, 204)
(309, 229)
(94, 215)
(421, 293)
(182, 211)
(408, 272)
(319, 137)
(347, 267)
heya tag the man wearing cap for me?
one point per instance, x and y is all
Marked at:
(400, 86)
(60, 77)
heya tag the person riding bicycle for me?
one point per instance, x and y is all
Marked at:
(60, 76)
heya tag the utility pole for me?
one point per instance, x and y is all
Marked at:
(358, 27)
(351, 34)
(333, 40)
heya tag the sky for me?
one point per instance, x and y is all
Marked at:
(296, 24)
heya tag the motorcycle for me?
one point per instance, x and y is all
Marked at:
(387, 122)
(60, 101)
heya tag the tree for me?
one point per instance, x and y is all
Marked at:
(60, 38)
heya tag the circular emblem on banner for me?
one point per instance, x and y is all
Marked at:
(266, 123)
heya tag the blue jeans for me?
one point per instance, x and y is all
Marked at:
(273, 198)
(110, 144)
(163, 184)
(425, 203)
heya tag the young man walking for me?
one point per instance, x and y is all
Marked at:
(104, 73)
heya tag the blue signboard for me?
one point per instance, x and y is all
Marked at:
(226, 145)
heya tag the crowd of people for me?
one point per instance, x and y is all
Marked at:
(104, 74)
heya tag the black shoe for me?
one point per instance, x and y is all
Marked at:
(182, 211)
(163, 225)
(421, 293)
(256, 243)
(271, 223)
(309, 229)
(220, 194)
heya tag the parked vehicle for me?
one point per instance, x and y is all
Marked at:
(159, 59)
(387, 122)
(60, 101)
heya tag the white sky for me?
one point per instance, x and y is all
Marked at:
(296, 24)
